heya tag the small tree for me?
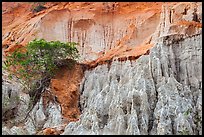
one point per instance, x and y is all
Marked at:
(36, 64)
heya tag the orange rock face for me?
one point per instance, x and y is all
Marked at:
(51, 131)
(87, 23)
(97, 26)
(65, 87)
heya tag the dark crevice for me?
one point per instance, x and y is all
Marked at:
(177, 64)
(118, 78)
(137, 105)
(39, 8)
(162, 70)
(187, 79)
(170, 17)
(196, 121)
(126, 122)
(195, 16)
(104, 121)
(125, 111)
(185, 11)
(9, 93)
(109, 62)
(172, 125)
(152, 117)
(69, 28)
(9, 114)
(200, 85)
(127, 108)
(195, 94)
(81, 104)
(6, 46)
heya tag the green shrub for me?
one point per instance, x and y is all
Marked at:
(37, 63)
(41, 58)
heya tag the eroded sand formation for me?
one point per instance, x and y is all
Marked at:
(139, 70)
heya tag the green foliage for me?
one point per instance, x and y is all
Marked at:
(186, 113)
(38, 6)
(35, 64)
(184, 132)
(6, 101)
(40, 59)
